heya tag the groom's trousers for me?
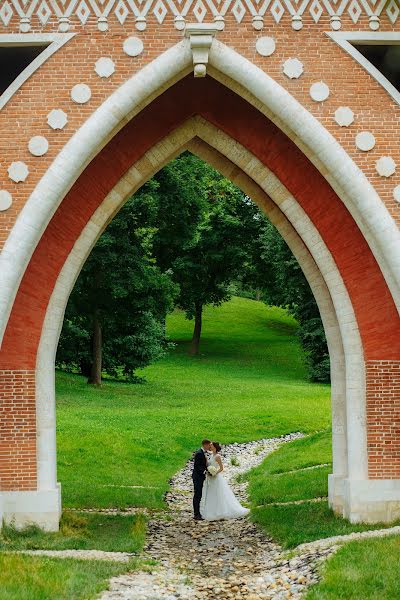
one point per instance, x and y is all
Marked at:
(198, 492)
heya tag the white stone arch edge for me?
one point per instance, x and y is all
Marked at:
(309, 249)
(344, 39)
(253, 84)
(55, 40)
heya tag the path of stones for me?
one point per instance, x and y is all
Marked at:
(218, 560)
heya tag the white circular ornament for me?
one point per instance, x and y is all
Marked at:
(57, 118)
(385, 166)
(18, 171)
(133, 46)
(104, 67)
(297, 22)
(81, 93)
(5, 200)
(179, 23)
(293, 68)
(396, 193)
(319, 91)
(258, 22)
(365, 141)
(38, 145)
(344, 116)
(265, 46)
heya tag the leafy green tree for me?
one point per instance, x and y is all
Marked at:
(115, 316)
(220, 249)
(286, 285)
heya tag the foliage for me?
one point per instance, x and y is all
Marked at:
(249, 383)
(122, 288)
(286, 285)
(83, 531)
(367, 569)
(293, 524)
(41, 578)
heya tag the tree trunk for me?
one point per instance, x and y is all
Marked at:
(258, 295)
(194, 346)
(95, 374)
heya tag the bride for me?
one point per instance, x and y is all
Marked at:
(218, 500)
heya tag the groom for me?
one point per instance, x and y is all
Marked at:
(198, 476)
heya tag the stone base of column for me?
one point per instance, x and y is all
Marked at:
(42, 508)
(335, 493)
(371, 500)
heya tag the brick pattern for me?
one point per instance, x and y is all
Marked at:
(383, 418)
(114, 13)
(17, 430)
(25, 116)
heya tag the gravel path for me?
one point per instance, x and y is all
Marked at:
(221, 560)
(218, 560)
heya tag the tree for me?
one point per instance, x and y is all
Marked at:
(115, 315)
(208, 265)
(285, 285)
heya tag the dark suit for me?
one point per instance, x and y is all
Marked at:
(198, 476)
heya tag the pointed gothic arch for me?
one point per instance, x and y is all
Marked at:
(258, 128)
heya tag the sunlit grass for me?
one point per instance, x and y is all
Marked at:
(37, 578)
(361, 570)
(82, 531)
(249, 382)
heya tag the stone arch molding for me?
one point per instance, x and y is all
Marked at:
(254, 178)
(324, 152)
(251, 83)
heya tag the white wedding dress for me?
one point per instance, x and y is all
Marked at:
(218, 500)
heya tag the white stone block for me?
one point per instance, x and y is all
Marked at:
(344, 116)
(293, 68)
(5, 200)
(365, 141)
(385, 166)
(41, 508)
(57, 118)
(18, 171)
(38, 145)
(133, 46)
(396, 193)
(104, 67)
(81, 93)
(265, 45)
(319, 91)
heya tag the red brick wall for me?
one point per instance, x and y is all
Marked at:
(383, 418)
(17, 430)
(25, 116)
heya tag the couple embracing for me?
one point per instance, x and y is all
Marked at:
(213, 499)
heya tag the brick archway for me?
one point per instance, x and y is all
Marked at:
(359, 292)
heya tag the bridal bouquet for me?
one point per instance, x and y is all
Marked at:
(212, 470)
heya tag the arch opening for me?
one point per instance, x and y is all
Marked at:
(339, 263)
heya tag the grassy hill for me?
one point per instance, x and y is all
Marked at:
(249, 382)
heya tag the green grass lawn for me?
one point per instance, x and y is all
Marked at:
(83, 531)
(249, 382)
(275, 481)
(361, 570)
(38, 578)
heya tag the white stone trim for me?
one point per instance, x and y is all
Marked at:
(323, 268)
(57, 40)
(254, 85)
(323, 150)
(372, 500)
(42, 508)
(344, 39)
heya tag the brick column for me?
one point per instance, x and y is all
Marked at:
(22, 501)
(17, 430)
